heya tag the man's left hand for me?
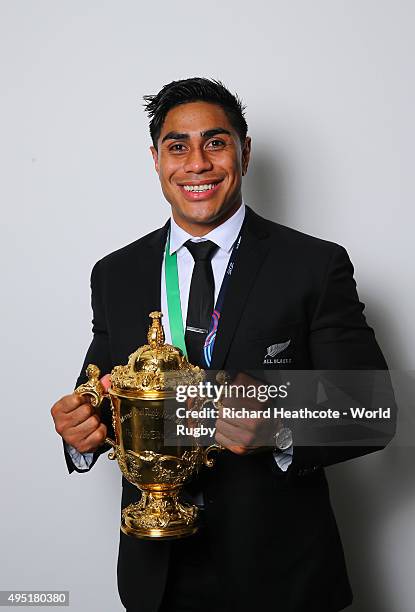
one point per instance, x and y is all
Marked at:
(244, 435)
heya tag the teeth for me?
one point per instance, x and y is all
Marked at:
(198, 187)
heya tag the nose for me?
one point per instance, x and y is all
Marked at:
(197, 161)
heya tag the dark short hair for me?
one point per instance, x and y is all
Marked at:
(196, 89)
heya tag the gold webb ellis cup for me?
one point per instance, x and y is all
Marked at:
(143, 406)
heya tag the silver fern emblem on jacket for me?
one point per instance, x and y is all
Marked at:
(274, 349)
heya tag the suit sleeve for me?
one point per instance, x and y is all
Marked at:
(344, 348)
(99, 354)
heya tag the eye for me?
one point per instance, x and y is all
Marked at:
(216, 143)
(177, 147)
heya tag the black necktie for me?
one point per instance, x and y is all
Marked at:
(201, 295)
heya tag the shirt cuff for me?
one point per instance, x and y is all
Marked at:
(284, 458)
(82, 461)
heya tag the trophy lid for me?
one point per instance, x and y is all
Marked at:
(156, 369)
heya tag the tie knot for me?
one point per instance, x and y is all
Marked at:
(201, 250)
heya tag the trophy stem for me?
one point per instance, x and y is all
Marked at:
(159, 514)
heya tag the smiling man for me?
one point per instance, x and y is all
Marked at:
(268, 539)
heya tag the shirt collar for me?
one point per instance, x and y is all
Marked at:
(224, 235)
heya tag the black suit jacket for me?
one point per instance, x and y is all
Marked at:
(273, 534)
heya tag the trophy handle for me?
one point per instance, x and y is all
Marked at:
(94, 389)
(209, 461)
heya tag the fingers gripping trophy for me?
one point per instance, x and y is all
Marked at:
(143, 407)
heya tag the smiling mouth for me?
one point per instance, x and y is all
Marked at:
(200, 188)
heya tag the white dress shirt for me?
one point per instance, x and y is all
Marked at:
(224, 236)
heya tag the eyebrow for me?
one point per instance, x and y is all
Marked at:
(206, 134)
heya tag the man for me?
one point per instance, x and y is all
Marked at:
(268, 538)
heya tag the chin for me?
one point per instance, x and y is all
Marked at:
(201, 212)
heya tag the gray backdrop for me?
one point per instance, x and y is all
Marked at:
(330, 96)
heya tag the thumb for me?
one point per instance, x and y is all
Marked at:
(106, 381)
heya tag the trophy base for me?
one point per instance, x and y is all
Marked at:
(159, 515)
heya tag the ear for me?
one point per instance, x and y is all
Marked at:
(246, 154)
(155, 155)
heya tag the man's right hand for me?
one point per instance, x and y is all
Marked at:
(78, 423)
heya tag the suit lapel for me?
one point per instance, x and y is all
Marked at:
(252, 251)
